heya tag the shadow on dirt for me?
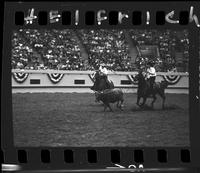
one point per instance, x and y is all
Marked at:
(149, 108)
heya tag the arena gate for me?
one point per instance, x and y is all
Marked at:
(32, 81)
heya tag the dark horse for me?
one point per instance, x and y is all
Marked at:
(101, 83)
(145, 91)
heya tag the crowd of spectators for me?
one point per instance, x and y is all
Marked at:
(45, 49)
(169, 43)
(107, 47)
(60, 49)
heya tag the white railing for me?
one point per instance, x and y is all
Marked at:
(41, 81)
(91, 72)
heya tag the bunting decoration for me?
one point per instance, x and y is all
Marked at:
(92, 77)
(131, 78)
(55, 77)
(20, 77)
(172, 79)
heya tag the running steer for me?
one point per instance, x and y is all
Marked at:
(110, 96)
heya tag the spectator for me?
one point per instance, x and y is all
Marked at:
(60, 49)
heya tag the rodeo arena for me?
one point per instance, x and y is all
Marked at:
(91, 87)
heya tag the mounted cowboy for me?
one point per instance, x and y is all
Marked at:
(101, 79)
(144, 90)
(104, 73)
(151, 74)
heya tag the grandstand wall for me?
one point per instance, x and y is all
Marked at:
(33, 81)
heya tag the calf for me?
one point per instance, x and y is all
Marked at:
(110, 96)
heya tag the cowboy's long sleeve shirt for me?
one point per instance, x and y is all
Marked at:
(151, 72)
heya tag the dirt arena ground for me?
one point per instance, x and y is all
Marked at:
(74, 119)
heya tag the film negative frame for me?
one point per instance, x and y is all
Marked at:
(107, 158)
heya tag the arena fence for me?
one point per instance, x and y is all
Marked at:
(32, 81)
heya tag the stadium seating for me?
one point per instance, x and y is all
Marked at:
(106, 46)
(45, 49)
(169, 43)
(61, 49)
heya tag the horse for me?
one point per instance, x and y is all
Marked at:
(145, 91)
(101, 83)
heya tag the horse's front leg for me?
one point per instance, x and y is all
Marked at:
(108, 105)
(144, 101)
(154, 99)
(138, 100)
